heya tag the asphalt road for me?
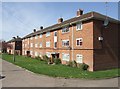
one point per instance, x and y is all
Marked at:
(19, 77)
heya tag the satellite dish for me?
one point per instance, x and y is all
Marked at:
(106, 21)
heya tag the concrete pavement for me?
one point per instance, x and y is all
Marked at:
(19, 77)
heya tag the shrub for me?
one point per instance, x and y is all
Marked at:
(38, 58)
(57, 60)
(70, 64)
(74, 63)
(84, 66)
(46, 58)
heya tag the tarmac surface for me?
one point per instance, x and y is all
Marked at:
(19, 77)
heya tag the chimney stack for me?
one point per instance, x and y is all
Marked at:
(34, 30)
(79, 12)
(60, 20)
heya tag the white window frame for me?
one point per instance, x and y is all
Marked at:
(36, 45)
(36, 36)
(31, 52)
(40, 35)
(79, 40)
(79, 25)
(48, 42)
(31, 44)
(65, 41)
(79, 58)
(64, 30)
(31, 38)
(65, 55)
(47, 34)
(40, 44)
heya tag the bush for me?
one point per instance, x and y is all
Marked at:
(38, 58)
(46, 58)
(70, 64)
(84, 66)
(57, 60)
(74, 64)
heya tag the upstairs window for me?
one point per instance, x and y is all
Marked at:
(55, 33)
(65, 29)
(79, 41)
(47, 34)
(36, 36)
(65, 43)
(31, 45)
(40, 35)
(79, 26)
(55, 44)
(36, 45)
(48, 44)
(40, 44)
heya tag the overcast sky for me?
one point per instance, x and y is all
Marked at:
(20, 18)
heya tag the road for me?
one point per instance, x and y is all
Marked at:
(19, 77)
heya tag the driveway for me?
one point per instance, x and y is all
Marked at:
(19, 77)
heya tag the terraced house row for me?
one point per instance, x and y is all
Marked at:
(90, 38)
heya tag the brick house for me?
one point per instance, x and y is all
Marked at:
(84, 38)
(15, 43)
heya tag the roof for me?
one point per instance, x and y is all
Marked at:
(13, 40)
(84, 17)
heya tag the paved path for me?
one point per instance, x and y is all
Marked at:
(18, 77)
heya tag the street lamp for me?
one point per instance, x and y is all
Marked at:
(14, 49)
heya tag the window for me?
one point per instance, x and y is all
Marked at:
(31, 45)
(48, 54)
(65, 29)
(36, 53)
(55, 33)
(55, 44)
(40, 44)
(36, 45)
(65, 42)
(36, 36)
(47, 34)
(48, 44)
(79, 26)
(31, 52)
(31, 38)
(79, 58)
(79, 41)
(65, 57)
(40, 35)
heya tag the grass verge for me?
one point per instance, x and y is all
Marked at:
(40, 67)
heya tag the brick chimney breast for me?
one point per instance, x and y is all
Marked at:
(79, 12)
(60, 20)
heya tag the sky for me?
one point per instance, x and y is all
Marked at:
(20, 18)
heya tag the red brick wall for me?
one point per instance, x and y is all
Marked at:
(105, 56)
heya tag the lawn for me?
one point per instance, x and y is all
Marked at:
(59, 70)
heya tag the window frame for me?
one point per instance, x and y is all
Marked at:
(81, 58)
(47, 35)
(81, 25)
(66, 41)
(65, 55)
(47, 42)
(65, 29)
(79, 41)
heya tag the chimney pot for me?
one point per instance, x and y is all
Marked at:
(34, 30)
(41, 27)
(79, 12)
(60, 20)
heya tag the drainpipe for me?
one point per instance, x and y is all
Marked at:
(72, 42)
